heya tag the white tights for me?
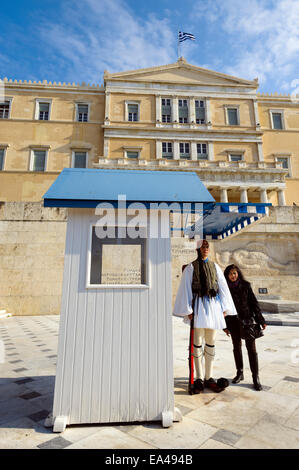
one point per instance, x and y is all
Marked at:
(209, 352)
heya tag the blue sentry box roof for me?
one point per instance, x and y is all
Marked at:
(77, 187)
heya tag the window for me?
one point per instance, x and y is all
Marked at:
(200, 115)
(166, 109)
(132, 154)
(236, 157)
(82, 112)
(232, 116)
(167, 151)
(117, 259)
(183, 111)
(44, 109)
(133, 112)
(202, 153)
(4, 110)
(1, 159)
(277, 120)
(285, 164)
(185, 150)
(38, 160)
(79, 159)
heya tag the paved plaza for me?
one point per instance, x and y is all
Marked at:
(237, 418)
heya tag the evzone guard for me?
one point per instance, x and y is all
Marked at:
(203, 300)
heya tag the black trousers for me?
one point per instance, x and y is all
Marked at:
(233, 325)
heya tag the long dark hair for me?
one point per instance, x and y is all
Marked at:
(229, 268)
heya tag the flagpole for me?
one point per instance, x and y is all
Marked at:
(178, 45)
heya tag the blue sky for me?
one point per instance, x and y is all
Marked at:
(76, 40)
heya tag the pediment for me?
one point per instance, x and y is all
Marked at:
(181, 73)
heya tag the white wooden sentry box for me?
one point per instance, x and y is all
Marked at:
(115, 354)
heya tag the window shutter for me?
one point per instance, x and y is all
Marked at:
(80, 160)
(232, 116)
(277, 121)
(132, 154)
(183, 112)
(132, 108)
(39, 160)
(200, 113)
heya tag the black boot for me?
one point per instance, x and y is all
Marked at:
(254, 367)
(239, 365)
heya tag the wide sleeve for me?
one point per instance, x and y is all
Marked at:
(254, 307)
(183, 301)
(226, 299)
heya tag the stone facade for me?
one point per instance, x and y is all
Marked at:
(245, 147)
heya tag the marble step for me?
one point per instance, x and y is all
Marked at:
(279, 306)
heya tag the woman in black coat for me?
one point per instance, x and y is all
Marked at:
(240, 326)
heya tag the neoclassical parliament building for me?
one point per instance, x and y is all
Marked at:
(243, 145)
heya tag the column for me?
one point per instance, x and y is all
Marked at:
(193, 151)
(175, 110)
(244, 196)
(158, 108)
(210, 151)
(158, 149)
(192, 109)
(281, 197)
(263, 196)
(208, 111)
(107, 107)
(176, 151)
(106, 147)
(223, 195)
(256, 114)
(260, 151)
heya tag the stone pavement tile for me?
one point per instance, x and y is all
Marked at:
(226, 437)
(281, 407)
(293, 420)
(187, 434)
(23, 381)
(212, 444)
(14, 408)
(43, 384)
(39, 416)
(291, 379)
(22, 433)
(11, 390)
(192, 401)
(30, 395)
(237, 416)
(44, 402)
(56, 443)
(110, 438)
(269, 377)
(286, 387)
(269, 434)
(75, 433)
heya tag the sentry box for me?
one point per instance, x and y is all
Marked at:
(115, 357)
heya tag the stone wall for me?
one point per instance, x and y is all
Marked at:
(32, 243)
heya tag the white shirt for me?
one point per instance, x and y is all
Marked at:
(208, 311)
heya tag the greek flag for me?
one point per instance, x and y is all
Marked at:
(185, 36)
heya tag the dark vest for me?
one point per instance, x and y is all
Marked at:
(211, 276)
